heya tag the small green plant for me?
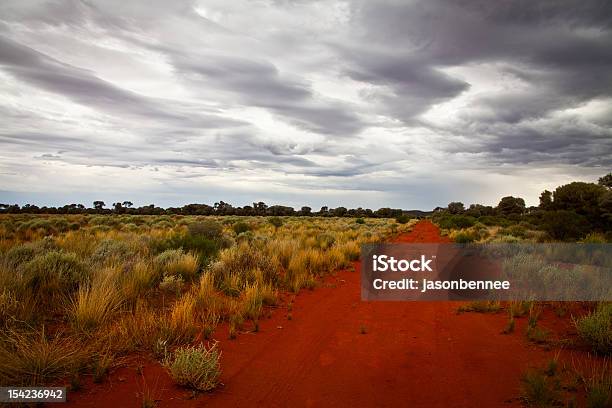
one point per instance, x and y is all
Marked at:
(552, 367)
(195, 367)
(599, 392)
(539, 390)
(359, 221)
(534, 315)
(596, 329)
(537, 334)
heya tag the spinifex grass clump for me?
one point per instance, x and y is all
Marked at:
(174, 262)
(93, 305)
(596, 328)
(34, 358)
(195, 367)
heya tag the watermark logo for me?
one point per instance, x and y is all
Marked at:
(570, 272)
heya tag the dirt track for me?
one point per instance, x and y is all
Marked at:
(419, 354)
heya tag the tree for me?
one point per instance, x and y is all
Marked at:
(479, 210)
(456, 207)
(565, 225)
(546, 201)
(606, 181)
(511, 205)
(306, 211)
(339, 212)
(98, 205)
(127, 204)
(582, 198)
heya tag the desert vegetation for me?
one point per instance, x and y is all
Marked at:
(80, 292)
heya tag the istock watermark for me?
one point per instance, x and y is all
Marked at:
(564, 272)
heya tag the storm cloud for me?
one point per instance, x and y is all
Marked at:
(338, 103)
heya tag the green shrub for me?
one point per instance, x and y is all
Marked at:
(195, 367)
(53, 273)
(465, 237)
(277, 222)
(402, 219)
(359, 221)
(241, 227)
(209, 229)
(565, 225)
(110, 250)
(456, 221)
(518, 231)
(205, 248)
(596, 328)
(539, 389)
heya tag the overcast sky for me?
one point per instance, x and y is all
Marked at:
(372, 104)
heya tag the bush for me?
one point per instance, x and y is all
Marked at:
(174, 262)
(205, 248)
(209, 229)
(53, 273)
(240, 227)
(402, 219)
(110, 250)
(539, 389)
(564, 225)
(465, 237)
(195, 367)
(456, 221)
(596, 329)
(277, 222)
(359, 221)
(242, 262)
(518, 231)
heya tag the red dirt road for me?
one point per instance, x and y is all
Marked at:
(414, 354)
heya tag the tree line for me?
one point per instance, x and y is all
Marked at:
(219, 208)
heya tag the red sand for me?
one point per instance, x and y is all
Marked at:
(415, 354)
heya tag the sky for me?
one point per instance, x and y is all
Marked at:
(403, 104)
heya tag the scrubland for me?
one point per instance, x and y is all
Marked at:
(78, 294)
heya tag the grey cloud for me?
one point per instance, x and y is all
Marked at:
(259, 83)
(85, 88)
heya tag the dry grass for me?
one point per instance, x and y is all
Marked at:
(35, 359)
(150, 283)
(95, 304)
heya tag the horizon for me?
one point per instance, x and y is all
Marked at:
(406, 105)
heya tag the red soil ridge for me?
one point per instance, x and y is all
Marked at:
(414, 354)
